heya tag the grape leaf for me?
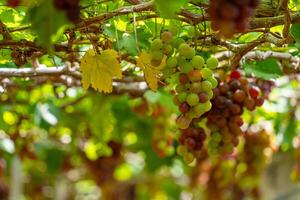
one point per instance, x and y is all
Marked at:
(266, 69)
(151, 73)
(99, 70)
(46, 21)
(169, 8)
(295, 31)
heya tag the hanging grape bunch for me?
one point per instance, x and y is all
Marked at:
(231, 16)
(196, 82)
(224, 119)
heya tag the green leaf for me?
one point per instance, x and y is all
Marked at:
(46, 22)
(266, 69)
(169, 8)
(295, 31)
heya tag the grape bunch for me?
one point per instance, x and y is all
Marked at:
(160, 47)
(191, 141)
(195, 87)
(224, 119)
(252, 160)
(70, 7)
(231, 16)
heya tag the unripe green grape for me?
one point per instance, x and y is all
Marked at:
(195, 87)
(177, 42)
(216, 137)
(172, 62)
(197, 111)
(206, 86)
(167, 37)
(183, 121)
(186, 51)
(206, 73)
(187, 86)
(188, 158)
(170, 150)
(207, 106)
(186, 67)
(192, 99)
(210, 94)
(182, 96)
(157, 55)
(156, 44)
(181, 60)
(213, 81)
(212, 63)
(197, 62)
(179, 88)
(181, 150)
(213, 144)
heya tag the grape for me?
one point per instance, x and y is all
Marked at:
(253, 92)
(157, 55)
(213, 81)
(182, 96)
(216, 137)
(195, 87)
(181, 150)
(184, 107)
(195, 75)
(192, 99)
(183, 121)
(186, 51)
(176, 101)
(172, 62)
(239, 96)
(250, 104)
(212, 63)
(203, 97)
(167, 37)
(177, 42)
(206, 73)
(156, 45)
(206, 86)
(197, 62)
(188, 158)
(183, 78)
(167, 49)
(173, 29)
(235, 74)
(179, 88)
(186, 67)
(259, 101)
(210, 94)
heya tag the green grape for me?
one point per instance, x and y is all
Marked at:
(197, 62)
(172, 62)
(186, 67)
(212, 63)
(181, 150)
(170, 150)
(188, 158)
(156, 45)
(187, 86)
(213, 143)
(179, 88)
(206, 73)
(167, 49)
(207, 106)
(181, 60)
(177, 42)
(186, 51)
(191, 31)
(182, 96)
(157, 55)
(192, 99)
(216, 137)
(196, 111)
(167, 37)
(210, 94)
(195, 87)
(213, 81)
(206, 86)
(183, 121)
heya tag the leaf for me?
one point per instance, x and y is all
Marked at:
(169, 8)
(46, 21)
(99, 70)
(266, 69)
(151, 73)
(295, 31)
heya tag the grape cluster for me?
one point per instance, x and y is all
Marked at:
(224, 119)
(191, 141)
(160, 47)
(196, 82)
(252, 160)
(231, 16)
(71, 7)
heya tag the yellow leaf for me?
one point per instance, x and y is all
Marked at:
(151, 73)
(99, 70)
